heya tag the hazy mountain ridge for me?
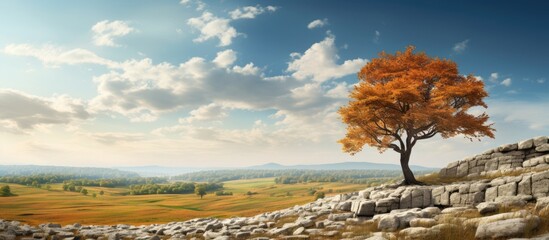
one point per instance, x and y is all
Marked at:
(164, 171)
(341, 166)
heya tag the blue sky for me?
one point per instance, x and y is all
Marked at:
(236, 83)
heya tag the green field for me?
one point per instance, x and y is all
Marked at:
(35, 205)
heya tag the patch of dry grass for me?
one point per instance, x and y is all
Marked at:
(362, 229)
(35, 206)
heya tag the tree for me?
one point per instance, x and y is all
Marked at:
(101, 192)
(84, 191)
(200, 190)
(320, 195)
(5, 191)
(407, 97)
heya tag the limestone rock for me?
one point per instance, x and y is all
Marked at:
(491, 194)
(543, 148)
(454, 209)
(525, 186)
(508, 147)
(388, 223)
(418, 233)
(340, 216)
(541, 203)
(366, 208)
(506, 228)
(462, 169)
(422, 222)
(540, 141)
(526, 144)
(509, 189)
(344, 206)
(487, 207)
(299, 231)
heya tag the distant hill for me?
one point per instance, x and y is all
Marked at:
(340, 166)
(160, 171)
(85, 172)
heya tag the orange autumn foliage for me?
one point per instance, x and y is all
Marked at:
(406, 97)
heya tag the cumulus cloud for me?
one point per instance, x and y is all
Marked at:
(506, 82)
(225, 58)
(210, 112)
(197, 3)
(55, 56)
(529, 114)
(303, 102)
(318, 23)
(494, 77)
(250, 12)
(104, 32)
(22, 112)
(211, 26)
(460, 46)
(142, 90)
(115, 137)
(319, 62)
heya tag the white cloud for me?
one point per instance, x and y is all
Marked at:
(225, 58)
(540, 80)
(115, 137)
(318, 23)
(211, 26)
(54, 56)
(211, 112)
(529, 114)
(104, 32)
(460, 46)
(506, 82)
(319, 62)
(142, 91)
(198, 3)
(377, 35)
(22, 112)
(250, 12)
(493, 77)
(341, 90)
(248, 69)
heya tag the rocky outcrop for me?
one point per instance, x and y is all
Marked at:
(525, 154)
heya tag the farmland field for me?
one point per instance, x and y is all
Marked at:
(35, 205)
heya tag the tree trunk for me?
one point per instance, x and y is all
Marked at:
(409, 178)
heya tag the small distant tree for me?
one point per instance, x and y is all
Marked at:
(320, 195)
(5, 191)
(200, 190)
(94, 195)
(101, 192)
(84, 191)
(408, 97)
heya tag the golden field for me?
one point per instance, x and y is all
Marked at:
(36, 205)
